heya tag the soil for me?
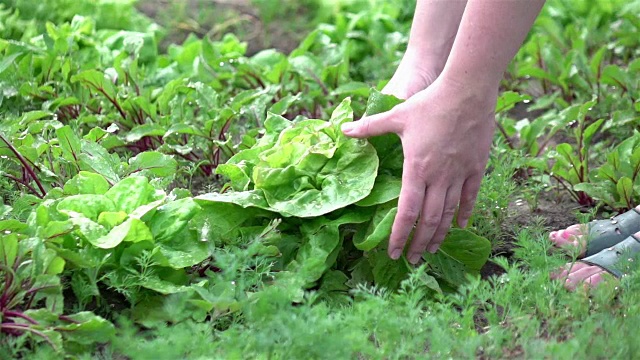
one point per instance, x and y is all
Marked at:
(553, 211)
(214, 18)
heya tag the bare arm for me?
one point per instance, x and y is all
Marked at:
(434, 28)
(447, 128)
(490, 35)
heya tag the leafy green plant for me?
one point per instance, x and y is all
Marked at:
(617, 181)
(31, 299)
(309, 169)
(572, 164)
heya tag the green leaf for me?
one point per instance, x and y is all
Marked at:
(220, 222)
(153, 162)
(9, 226)
(56, 266)
(379, 102)
(132, 230)
(69, 143)
(8, 61)
(446, 268)
(245, 199)
(237, 174)
(95, 158)
(171, 218)
(385, 189)
(468, 248)
(625, 189)
(590, 131)
(183, 251)
(131, 193)
(281, 107)
(87, 328)
(508, 100)
(314, 169)
(86, 183)
(321, 238)
(90, 231)
(8, 249)
(89, 206)
(379, 228)
(141, 131)
(110, 219)
(387, 273)
(162, 286)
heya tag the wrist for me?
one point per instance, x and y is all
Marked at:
(426, 60)
(481, 95)
(474, 82)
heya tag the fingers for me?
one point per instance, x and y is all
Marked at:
(450, 206)
(409, 205)
(468, 197)
(373, 125)
(430, 218)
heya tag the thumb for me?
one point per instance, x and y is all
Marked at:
(373, 125)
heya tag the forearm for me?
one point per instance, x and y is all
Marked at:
(490, 34)
(434, 28)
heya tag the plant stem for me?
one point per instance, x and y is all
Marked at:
(24, 163)
(15, 314)
(34, 191)
(29, 329)
(504, 133)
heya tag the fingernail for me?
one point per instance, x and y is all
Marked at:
(414, 258)
(395, 254)
(348, 127)
(463, 223)
(433, 248)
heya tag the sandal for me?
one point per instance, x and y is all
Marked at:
(603, 234)
(609, 258)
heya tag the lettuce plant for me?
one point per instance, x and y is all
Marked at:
(347, 191)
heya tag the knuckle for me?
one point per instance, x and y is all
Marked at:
(420, 166)
(430, 221)
(409, 216)
(465, 212)
(449, 213)
(366, 124)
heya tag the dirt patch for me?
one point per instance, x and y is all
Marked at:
(553, 211)
(215, 18)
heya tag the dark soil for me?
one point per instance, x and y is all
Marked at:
(553, 211)
(214, 18)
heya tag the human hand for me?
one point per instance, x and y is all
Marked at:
(446, 132)
(415, 73)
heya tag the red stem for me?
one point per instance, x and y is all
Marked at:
(25, 164)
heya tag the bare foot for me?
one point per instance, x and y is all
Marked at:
(575, 274)
(580, 273)
(573, 238)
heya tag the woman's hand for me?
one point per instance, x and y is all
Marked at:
(415, 73)
(446, 132)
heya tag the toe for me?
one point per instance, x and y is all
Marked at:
(581, 275)
(570, 238)
(567, 269)
(595, 279)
